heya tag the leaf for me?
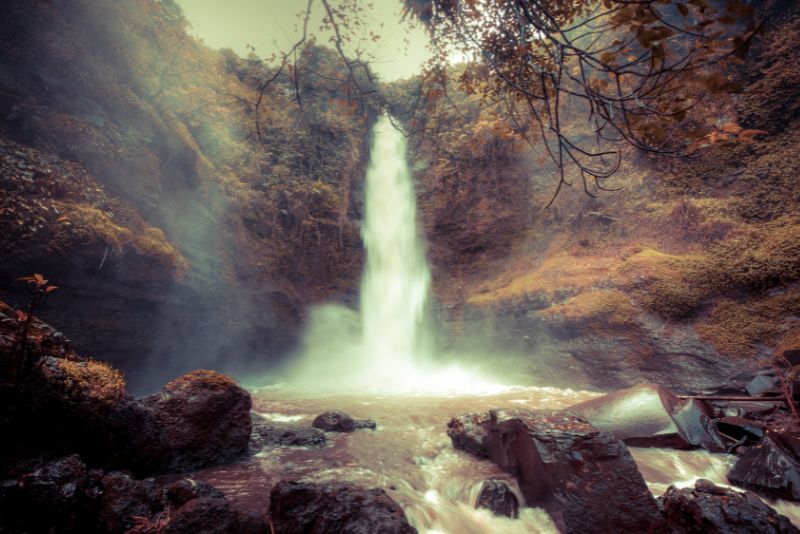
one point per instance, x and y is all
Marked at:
(21, 315)
(683, 9)
(50, 289)
(40, 281)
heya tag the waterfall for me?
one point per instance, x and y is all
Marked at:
(387, 345)
(396, 282)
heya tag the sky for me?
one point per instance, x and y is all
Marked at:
(275, 25)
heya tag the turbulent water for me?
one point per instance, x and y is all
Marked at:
(377, 363)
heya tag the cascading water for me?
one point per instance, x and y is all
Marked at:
(396, 283)
(387, 346)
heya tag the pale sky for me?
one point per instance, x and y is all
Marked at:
(273, 25)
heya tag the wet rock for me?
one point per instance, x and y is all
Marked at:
(204, 418)
(639, 416)
(182, 491)
(765, 385)
(266, 432)
(583, 477)
(771, 467)
(305, 507)
(694, 420)
(365, 424)
(124, 500)
(57, 496)
(741, 430)
(710, 509)
(743, 409)
(468, 433)
(336, 421)
(497, 496)
(213, 515)
(648, 415)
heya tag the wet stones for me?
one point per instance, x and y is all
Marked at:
(497, 496)
(270, 433)
(468, 433)
(649, 415)
(771, 467)
(306, 507)
(204, 418)
(213, 515)
(583, 477)
(710, 509)
(336, 421)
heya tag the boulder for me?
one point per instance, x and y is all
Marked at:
(213, 515)
(583, 477)
(710, 509)
(648, 415)
(270, 433)
(497, 496)
(303, 507)
(56, 496)
(204, 418)
(184, 490)
(336, 421)
(772, 467)
(126, 501)
(468, 433)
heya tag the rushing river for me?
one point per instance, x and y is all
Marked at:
(411, 457)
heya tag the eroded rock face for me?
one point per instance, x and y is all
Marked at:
(648, 415)
(771, 467)
(583, 477)
(710, 509)
(497, 496)
(301, 507)
(204, 418)
(336, 421)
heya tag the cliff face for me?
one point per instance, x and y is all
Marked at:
(136, 182)
(689, 277)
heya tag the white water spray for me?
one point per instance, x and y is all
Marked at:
(388, 346)
(396, 284)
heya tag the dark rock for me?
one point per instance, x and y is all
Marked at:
(710, 509)
(792, 356)
(336, 421)
(740, 429)
(497, 496)
(205, 419)
(583, 477)
(301, 507)
(266, 432)
(124, 500)
(771, 467)
(210, 515)
(648, 415)
(367, 424)
(694, 420)
(468, 433)
(184, 490)
(55, 497)
(765, 385)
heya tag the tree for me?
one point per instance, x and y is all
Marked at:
(630, 70)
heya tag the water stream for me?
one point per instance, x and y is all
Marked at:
(377, 363)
